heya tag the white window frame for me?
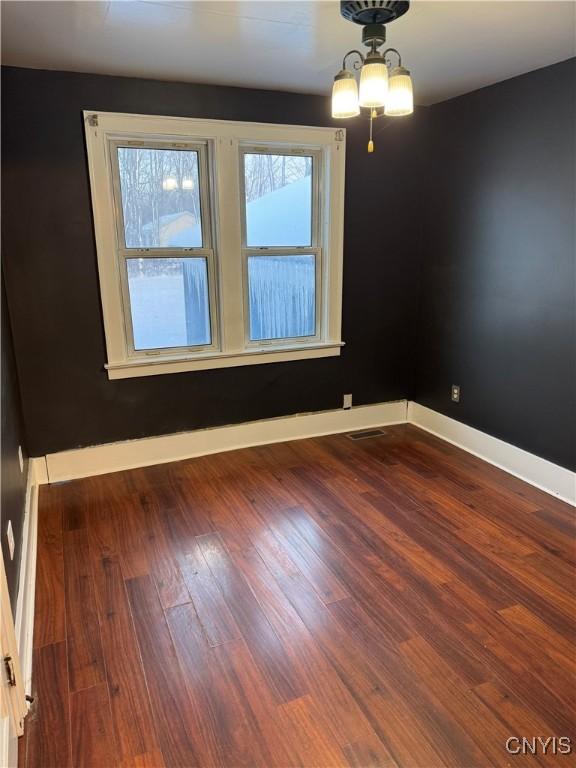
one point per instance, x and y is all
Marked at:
(221, 145)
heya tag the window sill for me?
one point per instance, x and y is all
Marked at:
(136, 367)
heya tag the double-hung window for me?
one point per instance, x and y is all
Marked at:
(281, 244)
(164, 235)
(219, 243)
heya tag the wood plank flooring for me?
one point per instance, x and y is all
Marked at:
(387, 602)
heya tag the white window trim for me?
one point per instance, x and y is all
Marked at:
(227, 139)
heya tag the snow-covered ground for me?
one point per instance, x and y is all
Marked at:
(158, 312)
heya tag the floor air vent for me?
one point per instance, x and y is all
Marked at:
(365, 434)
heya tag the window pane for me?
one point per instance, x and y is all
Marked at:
(169, 302)
(278, 201)
(282, 296)
(160, 198)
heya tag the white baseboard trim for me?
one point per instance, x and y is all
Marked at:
(114, 457)
(40, 470)
(24, 623)
(8, 744)
(539, 472)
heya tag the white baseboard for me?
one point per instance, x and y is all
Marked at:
(539, 472)
(39, 469)
(8, 744)
(113, 457)
(24, 623)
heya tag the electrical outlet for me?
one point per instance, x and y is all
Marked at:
(455, 393)
(347, 404)
(20, 458)
(10, 537)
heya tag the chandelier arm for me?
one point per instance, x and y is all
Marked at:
(392, 50)
(355, 65)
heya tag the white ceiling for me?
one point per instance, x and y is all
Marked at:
(450, 47)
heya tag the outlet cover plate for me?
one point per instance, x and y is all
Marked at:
(347, 402)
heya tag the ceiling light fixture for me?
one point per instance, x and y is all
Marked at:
(384, 90)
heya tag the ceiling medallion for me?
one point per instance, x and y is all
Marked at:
(384, 89)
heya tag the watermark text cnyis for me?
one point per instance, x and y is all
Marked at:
(539, 745)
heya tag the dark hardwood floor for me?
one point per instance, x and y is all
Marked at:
(328, 602)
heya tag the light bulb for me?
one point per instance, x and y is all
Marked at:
(345, 95)
(373, 82)
(400, 99)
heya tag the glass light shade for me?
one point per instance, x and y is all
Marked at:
(373, 83)
(400, 99)
(345, 95)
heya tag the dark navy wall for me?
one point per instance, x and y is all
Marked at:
(498, 289)
(460, 225)
(51, 267)
(13, 488)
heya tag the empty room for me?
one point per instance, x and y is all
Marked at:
(288, 357)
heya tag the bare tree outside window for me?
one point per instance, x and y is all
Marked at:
(265, 173)
(278, 190)
(160, 197)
